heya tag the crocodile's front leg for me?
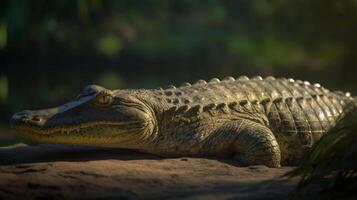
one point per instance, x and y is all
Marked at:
(255, 144)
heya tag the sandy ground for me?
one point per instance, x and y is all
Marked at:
(57, 172)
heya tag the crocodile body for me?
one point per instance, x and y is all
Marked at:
(255, 121)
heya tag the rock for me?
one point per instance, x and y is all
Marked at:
(70, 172)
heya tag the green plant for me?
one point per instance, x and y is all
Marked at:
(333, 157)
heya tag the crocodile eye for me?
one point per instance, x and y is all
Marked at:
(103, 99)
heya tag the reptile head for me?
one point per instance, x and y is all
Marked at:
(97, 117)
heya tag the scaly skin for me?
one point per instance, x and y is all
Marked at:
(255, 121)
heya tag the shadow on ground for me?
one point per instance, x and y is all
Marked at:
(22, 153)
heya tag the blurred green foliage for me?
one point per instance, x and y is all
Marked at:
(3, 35)
(110, 79)
(109, 45)
(3, 89)
(49, 50)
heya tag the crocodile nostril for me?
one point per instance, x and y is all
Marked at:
(36, 118)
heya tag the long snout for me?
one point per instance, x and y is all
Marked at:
(33, 118)
(28, 118)
(39, 118)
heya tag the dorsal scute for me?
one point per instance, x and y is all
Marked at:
(172, 109)
(315, 96)
(171, 87)
(185, 84)
(289, 99)
(221, 105)
(233, 104)
(210, 106)
(201, 82)
(270, 78)
(317, 85)
(258, 95)
(318, 90)
(178, 92)
(243, 78)
(325, 90)
(278, 99)
(307, 83)
(176, 101)
(300, 82)
(214, 80)
(265, 100)
(254, 101)
(225, 79)
(186, 100)
(195, 109)
(299, 98)
(308, 98)
(168, 92)
(257, 78)
(229, 78)
(183, 108)
(243, 102)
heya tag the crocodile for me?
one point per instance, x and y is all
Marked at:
(255, 121)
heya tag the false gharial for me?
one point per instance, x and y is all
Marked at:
(270, 121)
